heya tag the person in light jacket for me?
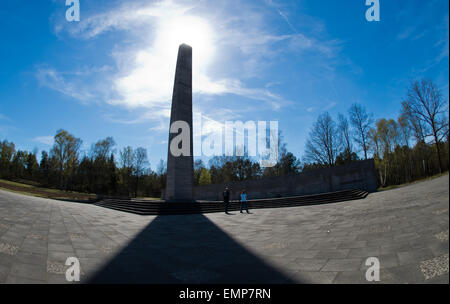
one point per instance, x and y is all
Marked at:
(244, 203)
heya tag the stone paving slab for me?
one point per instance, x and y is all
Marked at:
(405, 228)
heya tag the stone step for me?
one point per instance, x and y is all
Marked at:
(289, 199)
(162, 208)
(215, 204)
(278, 200)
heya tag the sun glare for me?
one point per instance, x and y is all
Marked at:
(191, 30)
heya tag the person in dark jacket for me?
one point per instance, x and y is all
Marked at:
(226, 199)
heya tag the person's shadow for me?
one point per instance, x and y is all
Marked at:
(186, 249)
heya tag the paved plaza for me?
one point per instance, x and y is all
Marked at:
(405, 228)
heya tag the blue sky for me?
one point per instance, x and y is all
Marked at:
(111, 74)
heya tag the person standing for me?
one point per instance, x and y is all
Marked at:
(244, 203)
(226, 199)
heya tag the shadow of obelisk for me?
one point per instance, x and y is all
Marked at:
(180, 168)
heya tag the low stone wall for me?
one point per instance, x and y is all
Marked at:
(357, 175)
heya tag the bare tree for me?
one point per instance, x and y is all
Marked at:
(426, 107)
(386, 138)
(344, 132)
(387, 131)
(361, 122)
(162, 168)
(374, 142)
(406, 131)
(127, 158)
(140, 162)
(322, 147)
(405, 128)
(102, 148)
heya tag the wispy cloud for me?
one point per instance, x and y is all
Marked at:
(406, 33)
(148, 115)
(4, 117)
(46, 140)
(330, 106)
(128, 16)
(54, 80)
(441, 48)
(443, 43)
(144, 72)
(282, 14)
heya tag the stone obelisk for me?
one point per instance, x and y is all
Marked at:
(180, 169)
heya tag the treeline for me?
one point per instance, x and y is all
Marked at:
(97, 171)
(223, 169)
(411, 147)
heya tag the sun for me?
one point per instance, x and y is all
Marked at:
(190, 30)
